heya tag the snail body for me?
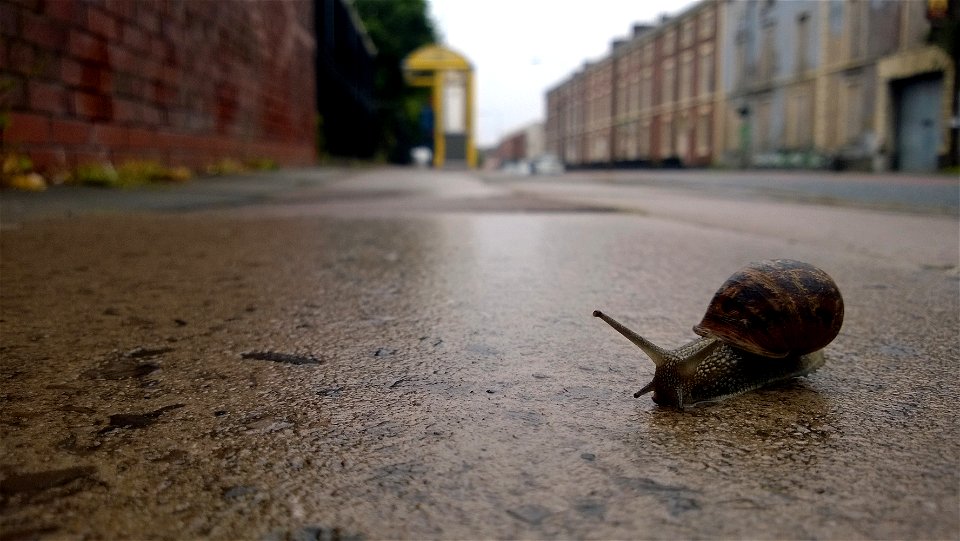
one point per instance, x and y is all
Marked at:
(768, 322)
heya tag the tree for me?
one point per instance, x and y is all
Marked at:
(397, 28)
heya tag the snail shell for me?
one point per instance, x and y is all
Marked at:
(767, 323)
(775, 308)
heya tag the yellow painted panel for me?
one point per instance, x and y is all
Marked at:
(435, 57)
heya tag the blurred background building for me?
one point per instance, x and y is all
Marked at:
(845, 84)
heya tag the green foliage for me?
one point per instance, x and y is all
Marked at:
(127, 175)
(262, 163)
(226, 166)
(96, 174)
(397, 28)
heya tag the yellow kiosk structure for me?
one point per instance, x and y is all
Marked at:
(450, 76)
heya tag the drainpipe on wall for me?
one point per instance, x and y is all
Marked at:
(744, 112)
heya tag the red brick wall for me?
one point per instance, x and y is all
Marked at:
(513, 147)
(184, 82)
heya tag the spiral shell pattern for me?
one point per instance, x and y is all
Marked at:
(775, 308)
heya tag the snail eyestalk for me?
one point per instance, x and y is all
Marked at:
(646, 389)
(657, 354)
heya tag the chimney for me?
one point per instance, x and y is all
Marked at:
(640, 29)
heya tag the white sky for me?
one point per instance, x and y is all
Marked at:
(521, 48)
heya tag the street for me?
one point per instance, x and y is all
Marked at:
(402, 353)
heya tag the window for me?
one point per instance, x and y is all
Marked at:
(705, 75)
(683, 136)
(646, 90)
(763, 126)
(686, 76)
(854, 32)
(643, 139)
(768, 53)
(669, 41)
(706, 23)
(669, 76)
(852, 112)
(703, 134)
(687, 32)
(803, 42)
(666, 137)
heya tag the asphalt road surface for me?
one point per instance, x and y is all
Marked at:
(399, 353)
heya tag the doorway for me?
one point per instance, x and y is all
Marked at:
(917, 104)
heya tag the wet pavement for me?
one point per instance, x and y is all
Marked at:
(411, 354)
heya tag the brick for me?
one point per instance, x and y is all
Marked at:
(142, 137)
(126, 111)
(15, 94)
(150, 116)
(102, 24)
(86, 76)
(171, 75)
(22, 58)
(85, 46)
(92, 106)
(111, 135)
(48, 97)
(149, 69)
(177, 119)
(160, 50)
(164, 95)
(72, 72)
(148, 17)
(155, 116)
(70, 132)
(135, 38)
(32, 5)
(44, 31)
(122, 59)
(48, 159)
(9, 20)
(122, 9)
(80, 156)
(65, 10)
(27, 128)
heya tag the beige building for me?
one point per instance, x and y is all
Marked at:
(763, 83)
(844, 84)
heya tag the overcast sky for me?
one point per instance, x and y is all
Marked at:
(520, 48)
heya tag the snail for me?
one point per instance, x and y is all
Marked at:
(768, 322)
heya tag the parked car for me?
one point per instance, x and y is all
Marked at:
(547, 164)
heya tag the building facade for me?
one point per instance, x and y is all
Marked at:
(763, 83)
(841, 84)
(523, 145)
(651, 101)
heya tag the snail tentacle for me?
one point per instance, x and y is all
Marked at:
(657, 354)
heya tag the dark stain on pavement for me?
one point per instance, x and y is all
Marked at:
(25, 483)
(676, 499)
(278, 357)
(137, 420)
(129, 364)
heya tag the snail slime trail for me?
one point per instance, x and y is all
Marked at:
(769, 322)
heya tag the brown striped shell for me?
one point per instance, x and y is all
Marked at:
(775, 308)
